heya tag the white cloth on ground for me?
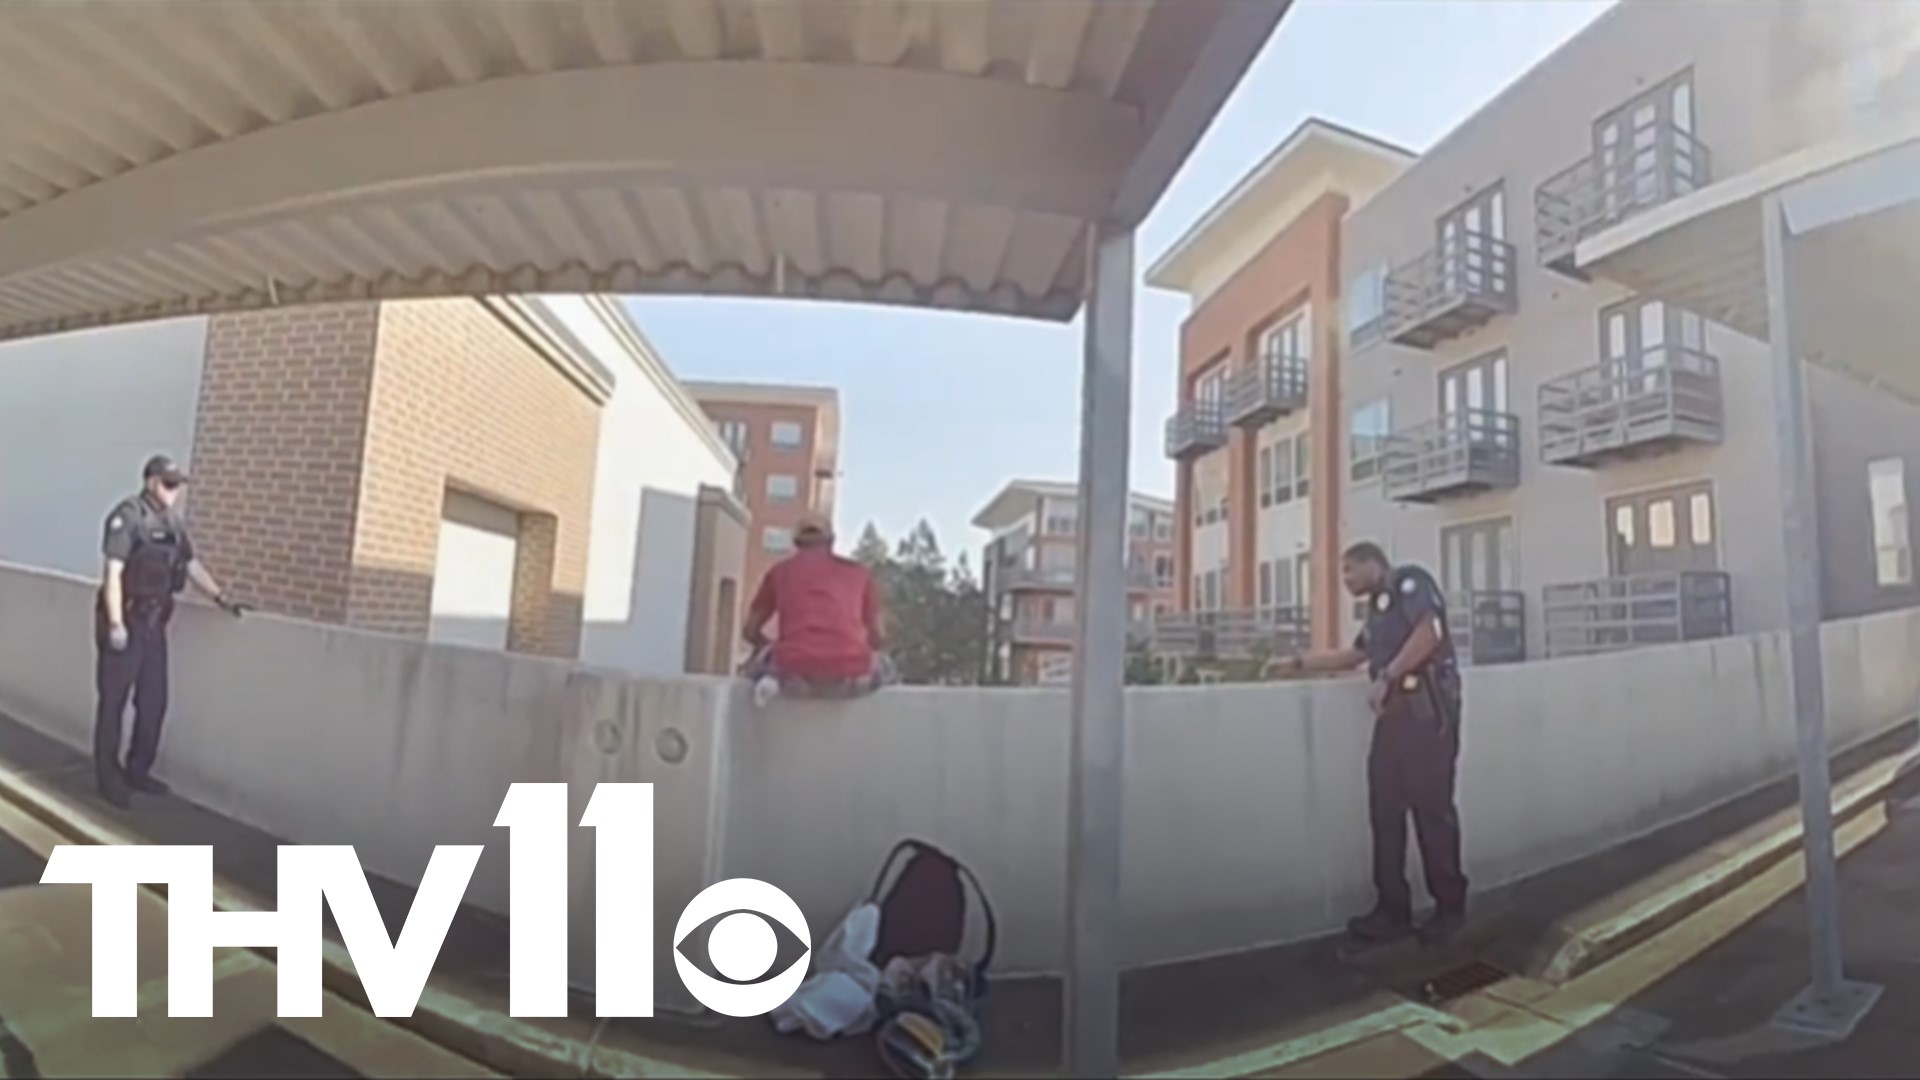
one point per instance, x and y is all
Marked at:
(837, 999)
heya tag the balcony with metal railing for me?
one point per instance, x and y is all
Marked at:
(1615, 613)
(1198, 428)
(1461, 453)
(1609, 186)
(1225, 635)
(1140, 577)
(1488, 626)
(1656, 401)
(1458, 285)
(1268, 389)
(1054, 633)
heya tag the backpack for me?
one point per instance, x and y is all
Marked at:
(924, 911)
(930, 1027)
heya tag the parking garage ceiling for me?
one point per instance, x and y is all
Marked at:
(168, 159)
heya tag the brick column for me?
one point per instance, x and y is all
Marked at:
(277, 453)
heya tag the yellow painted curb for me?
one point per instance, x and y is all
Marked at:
(1605, 940)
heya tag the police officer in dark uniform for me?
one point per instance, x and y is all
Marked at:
(1416, 741)
(149, 558)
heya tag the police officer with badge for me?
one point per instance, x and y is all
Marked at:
(1416, 741)
(149, 558)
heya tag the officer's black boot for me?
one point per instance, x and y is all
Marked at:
(1380, 926)
(147, 785)
(1442, 925)
(113, 785)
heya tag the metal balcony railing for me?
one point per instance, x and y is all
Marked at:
(1269, 631)
(1036, 631)
(1456, 286)
(1624, 408)
(1197, 428)
(1602, 190)
(1488, 626)
(1615, 613)
(1270, 388)
(1460, 453)
(1140, 576)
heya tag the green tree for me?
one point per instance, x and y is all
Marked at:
(936, 614)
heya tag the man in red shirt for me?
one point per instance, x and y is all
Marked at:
(831, 629)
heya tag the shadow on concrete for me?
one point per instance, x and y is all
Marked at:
(1171, 1015)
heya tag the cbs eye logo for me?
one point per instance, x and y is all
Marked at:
(736, 926)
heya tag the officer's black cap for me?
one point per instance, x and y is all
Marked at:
(162, 467)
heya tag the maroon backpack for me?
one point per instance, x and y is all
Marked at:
(924, 910)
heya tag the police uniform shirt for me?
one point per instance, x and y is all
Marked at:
(136, 521)
(1410, 598)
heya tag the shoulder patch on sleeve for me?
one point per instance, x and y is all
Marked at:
(114, 522)
(1409, 585)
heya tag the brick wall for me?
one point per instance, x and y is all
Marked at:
(277, 453)
(459, 400)
(1299, 266)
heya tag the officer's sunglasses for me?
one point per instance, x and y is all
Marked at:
(170, 485)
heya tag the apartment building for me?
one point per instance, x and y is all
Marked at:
(1585, 468)
(1256, 433)
(787, 439)
(1030, 567)
(506, 474)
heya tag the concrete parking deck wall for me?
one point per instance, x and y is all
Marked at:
(1245, 815)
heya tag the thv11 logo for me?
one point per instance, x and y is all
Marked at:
(394, 972)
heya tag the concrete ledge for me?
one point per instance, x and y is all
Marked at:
(1603, 931)
(444, 1017)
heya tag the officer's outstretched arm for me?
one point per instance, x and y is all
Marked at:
(203, 580)
(1326, 660)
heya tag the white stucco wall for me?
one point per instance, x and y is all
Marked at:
(656, 450)
(79, 414)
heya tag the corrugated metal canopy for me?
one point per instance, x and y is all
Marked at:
(165, 159)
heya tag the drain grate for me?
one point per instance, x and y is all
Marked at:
(1459, 982)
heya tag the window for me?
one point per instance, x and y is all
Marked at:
(1264, 482)
(1892, 546)
(1282, 583)
(1282, 489)
(1285, 341)
(1303, 579)
(1062, 523)
(776, 539)
(1163, 571)
(1370, 426)
(1663, 532)
(734, 434)
(1266, 583)
(783, 487)
(786, 435)
(1137, 528)
(1366, 303)
(1478, 557)
(1660, 523)
(1210, 386)
(1302, 474)
(1162, 527)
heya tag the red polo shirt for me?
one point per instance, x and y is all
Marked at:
(824, 604)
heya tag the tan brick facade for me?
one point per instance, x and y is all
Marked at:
(386, 407)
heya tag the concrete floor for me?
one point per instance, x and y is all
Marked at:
(1219, 1017)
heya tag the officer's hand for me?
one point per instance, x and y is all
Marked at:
(232, 607)
(1377, 695)
(117, 638)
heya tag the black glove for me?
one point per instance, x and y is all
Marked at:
(232, 607)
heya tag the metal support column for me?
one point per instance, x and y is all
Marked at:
(1831, 1006)
(1092, 1003)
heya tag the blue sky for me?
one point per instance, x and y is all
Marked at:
(939, 410)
